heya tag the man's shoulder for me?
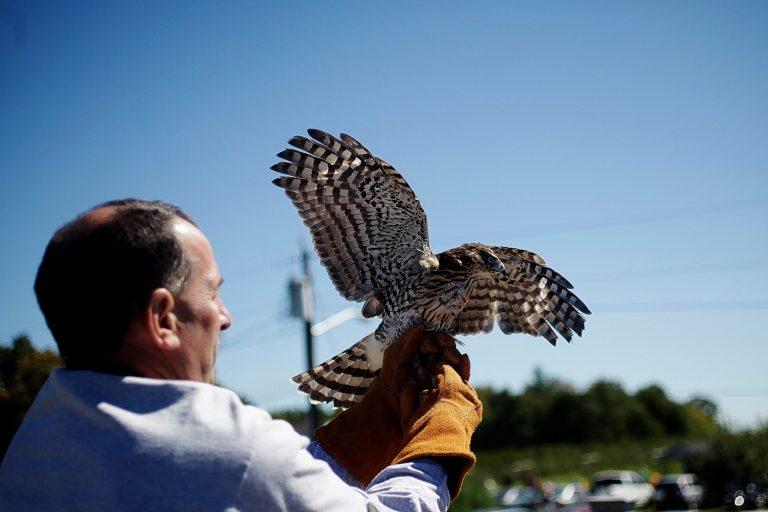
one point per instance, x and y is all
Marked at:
(183, 434)
(146, 404)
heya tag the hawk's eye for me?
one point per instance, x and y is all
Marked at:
(492, 263)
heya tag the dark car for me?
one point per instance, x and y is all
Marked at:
(678, 492)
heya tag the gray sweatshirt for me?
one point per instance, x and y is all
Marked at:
(94, 441)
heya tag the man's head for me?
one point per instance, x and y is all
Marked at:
(106, 275)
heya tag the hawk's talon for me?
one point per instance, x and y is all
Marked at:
(421, 364)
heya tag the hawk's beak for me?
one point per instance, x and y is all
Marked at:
(498, 269)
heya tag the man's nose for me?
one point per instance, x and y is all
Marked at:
(226, 317)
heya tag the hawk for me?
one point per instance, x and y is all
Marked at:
(370, 232)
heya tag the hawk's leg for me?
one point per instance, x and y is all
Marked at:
(422, 366)
(438, 350)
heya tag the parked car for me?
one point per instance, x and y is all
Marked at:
(676, 492)
(569, 498)
(626, 486)
(522, 496)
(560, 498)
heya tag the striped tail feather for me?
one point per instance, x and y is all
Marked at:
(341, 380)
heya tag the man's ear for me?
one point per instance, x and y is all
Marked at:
(161, 320)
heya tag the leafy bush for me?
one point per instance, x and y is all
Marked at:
(549, 411)
(23, 371)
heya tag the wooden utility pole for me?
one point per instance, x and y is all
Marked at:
(307, 302)
(302, 307)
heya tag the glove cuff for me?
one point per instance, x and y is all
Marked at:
(442, 430)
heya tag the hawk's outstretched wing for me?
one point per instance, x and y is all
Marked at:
(365, 221)
(532, 299)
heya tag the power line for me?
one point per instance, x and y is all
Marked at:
(647, 217)
(253, 342)
(680, 307)
(632, 218)
(260, 269)
(677, 270)
(736, 392)
(254, 334)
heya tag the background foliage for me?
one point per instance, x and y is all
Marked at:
(550, 411)
(23, 370)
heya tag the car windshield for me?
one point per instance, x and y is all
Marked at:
(608, 481)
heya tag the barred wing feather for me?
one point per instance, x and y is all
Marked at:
(366, 223)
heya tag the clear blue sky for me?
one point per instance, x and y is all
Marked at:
(625, 142)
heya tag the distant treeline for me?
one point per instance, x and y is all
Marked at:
(547, 411)
(23, 370)
(550, 411)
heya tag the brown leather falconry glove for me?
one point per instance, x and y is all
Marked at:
(439, 423)
(366, 437)
(407, 414)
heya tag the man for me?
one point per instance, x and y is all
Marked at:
(130, 292)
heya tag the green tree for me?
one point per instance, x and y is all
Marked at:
(550, 411)
(612, 414)
(502, 421)
(23, 370)
(700, 417)
(544, 403)
(669, 415)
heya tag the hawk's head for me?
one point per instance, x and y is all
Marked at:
(479, 259)
(492, 263)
